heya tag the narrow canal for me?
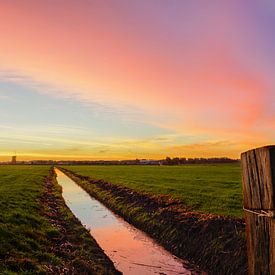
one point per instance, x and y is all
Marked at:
(131, 250)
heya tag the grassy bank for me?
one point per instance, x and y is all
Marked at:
(215, 243)
(208, 188)
(38, 233)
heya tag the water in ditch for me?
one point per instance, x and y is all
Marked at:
(131, 250)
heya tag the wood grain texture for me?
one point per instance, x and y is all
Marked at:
(258, 175)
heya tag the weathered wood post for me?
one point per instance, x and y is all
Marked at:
(258, 174)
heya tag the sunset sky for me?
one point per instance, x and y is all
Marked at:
(120, 79)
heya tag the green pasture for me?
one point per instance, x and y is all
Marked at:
(214, 188)
(29, 243)
(24, 232)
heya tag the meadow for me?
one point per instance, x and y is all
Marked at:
(33, 219)
(24, 232)
(214, 188)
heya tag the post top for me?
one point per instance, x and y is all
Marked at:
(266, 147)
(258, 174)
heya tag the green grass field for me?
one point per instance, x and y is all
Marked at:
(209, 188)
(33, 233)
(24, 232)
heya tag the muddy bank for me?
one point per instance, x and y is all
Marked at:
(215, 243)
(71, 242)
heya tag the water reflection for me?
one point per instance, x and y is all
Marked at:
(131, 250)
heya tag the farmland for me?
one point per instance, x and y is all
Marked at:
(207, 188)
(36, 226)
(23, 232)
(33, 219)
(177, 206)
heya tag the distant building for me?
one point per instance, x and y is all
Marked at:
(13, 160)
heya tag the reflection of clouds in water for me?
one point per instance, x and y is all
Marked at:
(130, 249)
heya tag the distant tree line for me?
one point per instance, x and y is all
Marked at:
(166, 161)
(178, 161)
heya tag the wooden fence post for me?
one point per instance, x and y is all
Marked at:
(258, 175)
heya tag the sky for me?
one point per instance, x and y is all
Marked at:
(121, 79)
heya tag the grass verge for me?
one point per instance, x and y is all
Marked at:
(210, 188)
(215, 243)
